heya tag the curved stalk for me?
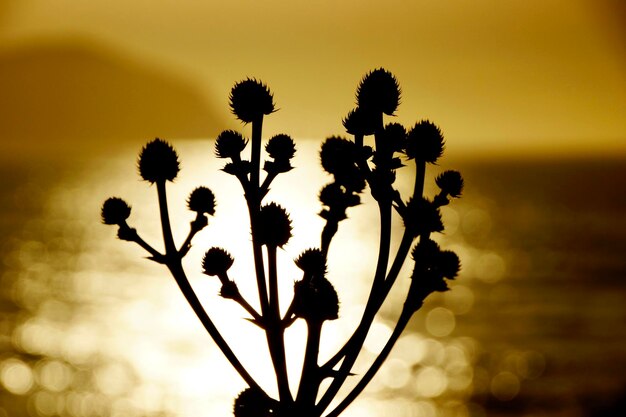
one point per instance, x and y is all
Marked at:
(353, 347)
(275, 330)
(380, 359)
(177, 271)
(310, 379)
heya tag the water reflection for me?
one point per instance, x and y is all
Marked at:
(91, 329)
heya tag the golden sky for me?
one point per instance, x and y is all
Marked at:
(513, 76)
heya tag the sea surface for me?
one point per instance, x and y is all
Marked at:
(535, 324)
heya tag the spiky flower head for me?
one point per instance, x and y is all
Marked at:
(395, 135)
(229, 144)
(450, 183)
(158, 161)
(449, 264)
(337, 199)
(274, 225)
(202, 200)
(115, 211)
(379, 91)
(360, 122)
(252, 402)
(229, 290)
(250, 99)
(315, 300)
(216, 261)
(432, 267)
(425, 142)
(281, 147)
(422, 217)
(312, 262)
(339, 158)
(337, 154)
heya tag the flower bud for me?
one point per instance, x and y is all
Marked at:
(274, 226)
(450, 183)
(360, 122)
(216, 261)
(158, 161)
(229, 144)
(251, 99)
(337, 199)
(379, 91)
(115, 211)
(337, 154)
(315, 300)
(427, 276)
(281, 147)
(449, 264)
(312, 262)
(202, 200)
(425, 142)
(432, 265)
(422, 217)
(395, 135)
(229, 290)
(252, 402)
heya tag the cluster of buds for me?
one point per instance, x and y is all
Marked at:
(368, 161)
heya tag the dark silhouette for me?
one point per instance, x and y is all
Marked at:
(355, 168)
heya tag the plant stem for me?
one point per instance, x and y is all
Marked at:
(168, 239)
(310, 379)
(253, 199)
(255, 157)
(275, 330)
(420, 173)
(183, 283)
(271, 315)
(177, 271)
(404, 319)
(353, 347)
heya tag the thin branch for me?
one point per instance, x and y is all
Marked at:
(275, 330)
(380, 359)
(183, 283)
(310, 378)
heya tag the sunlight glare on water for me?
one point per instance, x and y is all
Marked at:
(115, 337)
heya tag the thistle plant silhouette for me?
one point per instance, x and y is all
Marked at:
(355, 168)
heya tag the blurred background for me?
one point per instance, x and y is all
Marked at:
(531, 97)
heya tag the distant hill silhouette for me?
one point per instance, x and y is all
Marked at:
(75, 95)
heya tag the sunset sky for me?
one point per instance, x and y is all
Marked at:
(529, 77)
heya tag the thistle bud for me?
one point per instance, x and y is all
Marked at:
(360, 122)
(425, 142)
(216, 262)
(202, 200)
(274, 226)
(253, 402)
(229, 290)
(229, 144)
(395, 135)
(115, 211)
(158, 161)
(281, 147)
(426, 277)
(337, 154)
(449, 264)
(315, 300)
(251, 99)
(432, 265)
(312, 262)
(422, 217)
(450, 183)
(379, 91)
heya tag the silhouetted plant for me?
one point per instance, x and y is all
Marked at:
(354, 167)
